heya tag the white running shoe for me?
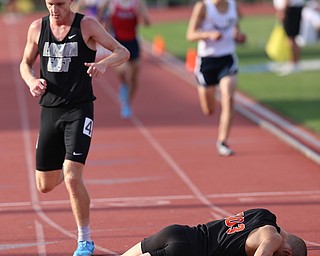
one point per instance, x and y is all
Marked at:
(223, 149)
(288, 69)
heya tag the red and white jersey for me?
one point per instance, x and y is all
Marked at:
(124, 18)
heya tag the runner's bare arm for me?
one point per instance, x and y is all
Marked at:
(193, 31)
(143, 12)
(94, 33)
(135, 251)
(37, 86)
(264, 242)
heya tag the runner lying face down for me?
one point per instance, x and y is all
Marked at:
(253, 232)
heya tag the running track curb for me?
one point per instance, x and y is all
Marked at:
(305, 142)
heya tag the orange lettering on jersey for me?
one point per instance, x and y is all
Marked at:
(235, 223)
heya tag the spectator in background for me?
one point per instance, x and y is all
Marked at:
(125, 17)
(10, 8)
(310, 23)
(214, 24)
(89, 7)
(289, 14)
(92, 8)
(10, 5)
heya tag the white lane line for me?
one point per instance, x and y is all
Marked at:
(14, 47)
(269, 115)
(40, 239)
(14, 204)
(269, 194)
(216, 211)
(6, 247)
(97, 201)
(24, 117)
(248, 109)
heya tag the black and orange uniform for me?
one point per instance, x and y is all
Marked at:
(67, 105)
(224, 237)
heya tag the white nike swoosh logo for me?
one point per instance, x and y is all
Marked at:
(70, 37)
(76, 154)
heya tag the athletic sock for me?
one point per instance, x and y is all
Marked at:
(84, 233)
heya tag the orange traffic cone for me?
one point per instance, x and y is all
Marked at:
(191, 59)
(158, 46)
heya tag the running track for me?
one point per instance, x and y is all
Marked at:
(142, 174)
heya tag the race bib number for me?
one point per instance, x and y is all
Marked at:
(88, 127)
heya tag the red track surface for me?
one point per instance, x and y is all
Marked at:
(142, 174)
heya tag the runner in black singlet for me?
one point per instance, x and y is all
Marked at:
(66, 44)
(252, 232)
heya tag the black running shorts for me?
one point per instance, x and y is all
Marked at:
(172, 240)
(292, 21)
(210, 70)
(133, 47)
(65, 133)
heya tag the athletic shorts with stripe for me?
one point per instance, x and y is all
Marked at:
(210, 70)
(65, 133)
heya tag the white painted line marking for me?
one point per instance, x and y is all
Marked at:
(216, 212)
(97, 201)
(40, 239)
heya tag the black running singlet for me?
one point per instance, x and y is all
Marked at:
(62, 66)
(227, 237)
